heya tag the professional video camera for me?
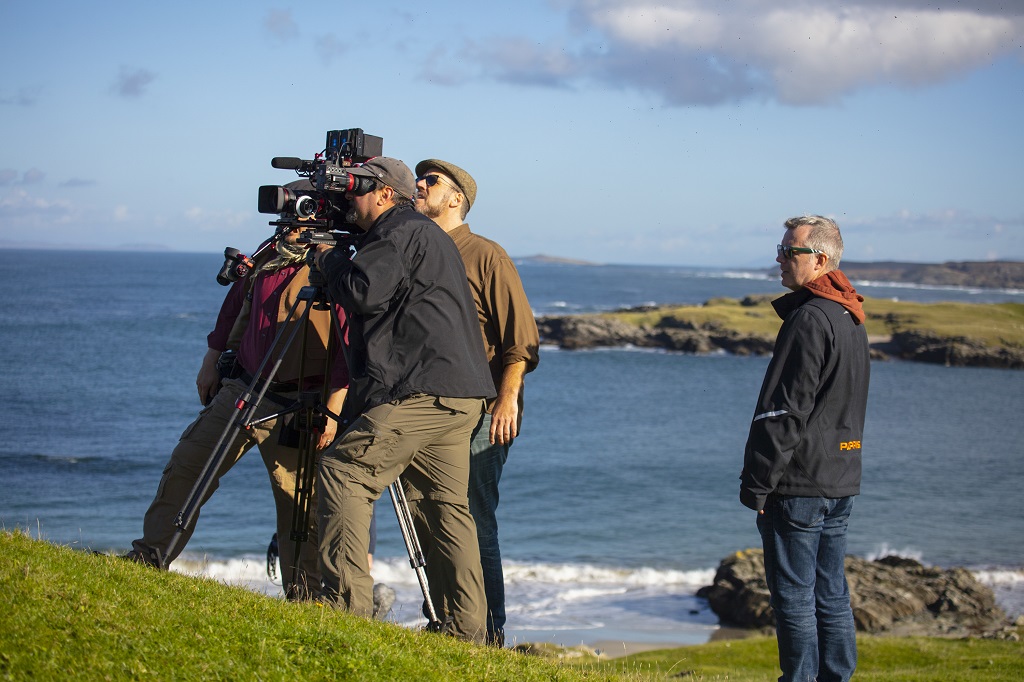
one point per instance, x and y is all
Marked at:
(318, 208)
(322, 208)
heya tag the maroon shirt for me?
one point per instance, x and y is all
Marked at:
(259, 335)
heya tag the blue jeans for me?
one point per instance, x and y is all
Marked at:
(804, 540)
(485, 465)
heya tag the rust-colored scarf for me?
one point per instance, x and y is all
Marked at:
(836, 287)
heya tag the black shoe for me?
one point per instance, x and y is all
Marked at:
(496, 639)
(144, 558)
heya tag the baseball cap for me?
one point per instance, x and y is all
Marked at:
(463, 179)
(391, 172)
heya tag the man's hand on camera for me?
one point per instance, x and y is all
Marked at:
(318, 260)
(208, 379)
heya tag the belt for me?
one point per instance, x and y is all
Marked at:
(273, 386)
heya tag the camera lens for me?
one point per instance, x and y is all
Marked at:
(305, 206)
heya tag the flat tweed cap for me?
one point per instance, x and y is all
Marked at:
(463, 179)
(392, 172)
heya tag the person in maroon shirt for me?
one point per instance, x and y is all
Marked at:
(252, 313)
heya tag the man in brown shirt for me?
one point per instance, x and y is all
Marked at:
(445, 193)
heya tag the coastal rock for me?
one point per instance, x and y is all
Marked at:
(891, 595)
(591, 331)
(674, 328)
(577, 332)
(955, 351)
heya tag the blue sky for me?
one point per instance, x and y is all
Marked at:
(620, 131)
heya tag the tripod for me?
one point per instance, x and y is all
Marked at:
(308, 408)
(311, 413)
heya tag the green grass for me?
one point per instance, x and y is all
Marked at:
(72, 615)
(69, 614)
(888, 659)
(992, 324)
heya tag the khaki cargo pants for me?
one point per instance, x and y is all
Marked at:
(425, 439)
(186, 465)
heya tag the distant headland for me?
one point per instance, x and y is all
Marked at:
(541, 258)
(998, 274)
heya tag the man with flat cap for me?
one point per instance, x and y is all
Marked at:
(445, 193)
(418, 382)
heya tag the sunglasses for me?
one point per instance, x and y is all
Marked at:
(788, 252)
(431, 179)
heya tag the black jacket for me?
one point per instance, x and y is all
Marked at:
(806, 435)
(412, 320)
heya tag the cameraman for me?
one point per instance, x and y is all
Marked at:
(419, 383)
(249, 320)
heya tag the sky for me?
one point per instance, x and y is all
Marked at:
(616, 131)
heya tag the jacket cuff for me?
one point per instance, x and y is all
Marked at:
(751, 500)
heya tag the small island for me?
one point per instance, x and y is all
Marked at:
(952, 334)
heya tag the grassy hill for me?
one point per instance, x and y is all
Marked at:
(72, 615)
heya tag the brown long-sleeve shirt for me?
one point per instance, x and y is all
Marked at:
(506, 320)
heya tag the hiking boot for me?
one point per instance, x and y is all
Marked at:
(144, 558)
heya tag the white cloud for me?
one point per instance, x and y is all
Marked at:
(797, 51)
(19, 208)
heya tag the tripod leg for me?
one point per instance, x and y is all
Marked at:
(225, 451)
(412, 546)
(305, 476)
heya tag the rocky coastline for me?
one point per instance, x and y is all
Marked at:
(893, 596)
(673, 332)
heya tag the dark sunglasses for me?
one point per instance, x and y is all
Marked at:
(788, 252)
(431, 179)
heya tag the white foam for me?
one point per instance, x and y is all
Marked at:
(646, 603)
(249, 572)
(885, 550)
(866, 283)
(1008, 586)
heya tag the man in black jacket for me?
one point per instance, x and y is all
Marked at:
(419, 381)
(802, 464)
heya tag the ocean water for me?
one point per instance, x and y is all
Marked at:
(619, 498)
